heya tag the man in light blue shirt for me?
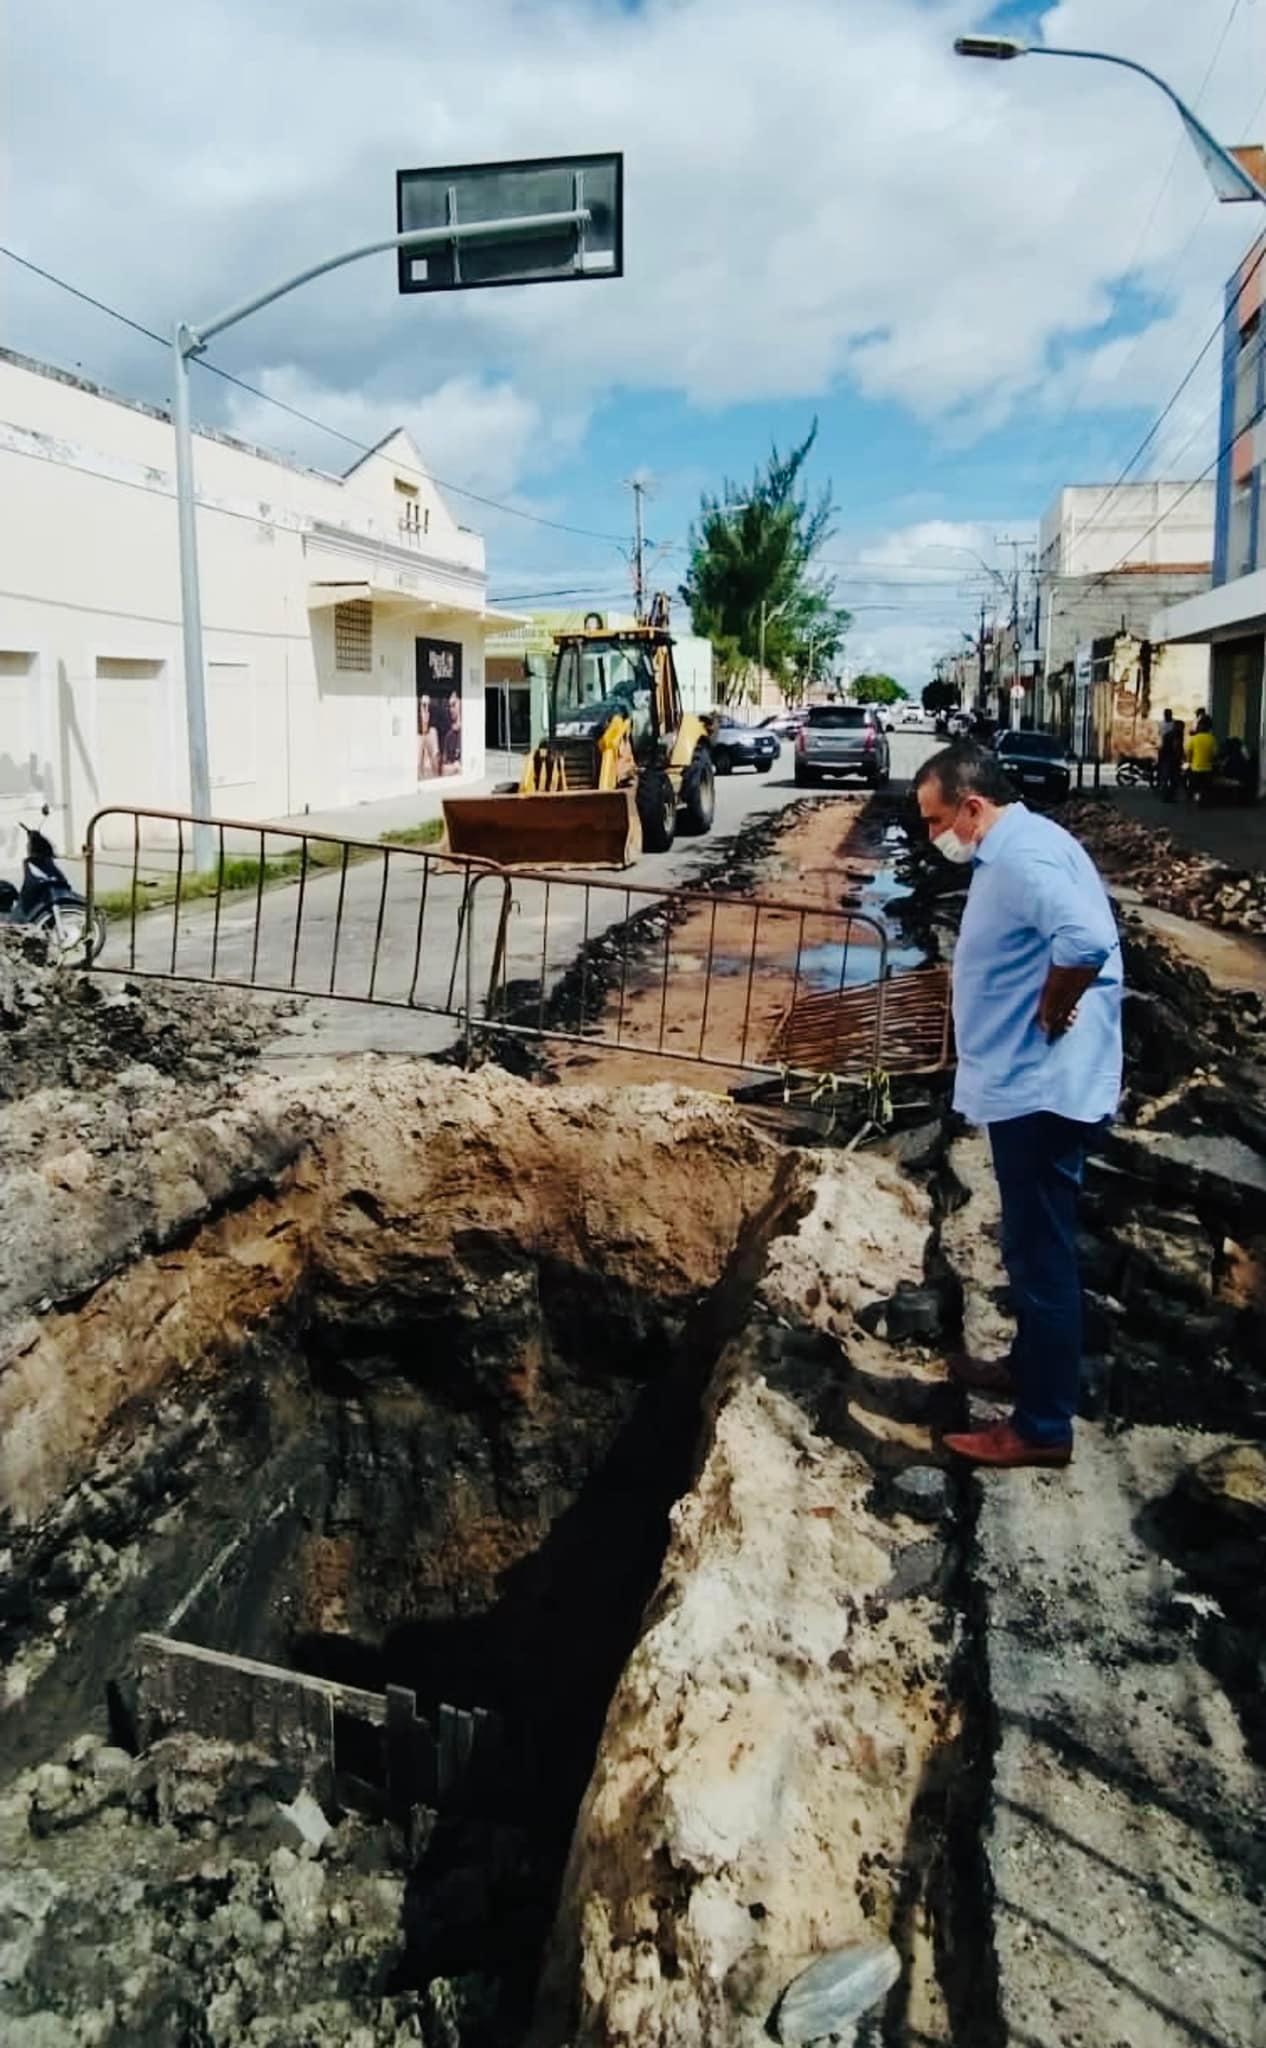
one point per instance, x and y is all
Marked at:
(1037, 1017)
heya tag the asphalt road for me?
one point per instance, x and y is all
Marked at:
(391, 928)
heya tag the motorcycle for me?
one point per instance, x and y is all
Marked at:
(47, 903)
(1135, 770)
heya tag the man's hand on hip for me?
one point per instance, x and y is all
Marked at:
(1061, 993)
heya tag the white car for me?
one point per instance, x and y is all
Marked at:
(785, 723)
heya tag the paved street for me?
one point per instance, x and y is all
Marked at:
(408, 910)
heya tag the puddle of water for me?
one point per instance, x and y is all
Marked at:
(880, 896)
(823, 966)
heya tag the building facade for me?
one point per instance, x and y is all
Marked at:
(1230, 619)
(344, 619)
(1110, 559)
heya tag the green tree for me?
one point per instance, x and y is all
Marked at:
(877, 689)
(751, 586)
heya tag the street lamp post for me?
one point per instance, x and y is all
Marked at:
(190, 341)
(766, 614)
(1228, 177)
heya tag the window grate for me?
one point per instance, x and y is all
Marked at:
(354, 634)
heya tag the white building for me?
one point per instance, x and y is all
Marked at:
(1093, 529)
(1110, 558)
(342, 615)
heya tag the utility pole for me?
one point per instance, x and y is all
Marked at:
(980, 659)
(638, 487)
(189, 342)
(1003, 540)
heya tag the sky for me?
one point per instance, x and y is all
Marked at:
(984, 281)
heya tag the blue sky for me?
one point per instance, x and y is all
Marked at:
(984, 281)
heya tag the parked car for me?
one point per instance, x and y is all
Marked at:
(786, 724)
(741, 746)
(1037, 764)
(842, 739)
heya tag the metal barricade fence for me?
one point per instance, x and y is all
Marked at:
(697, 977)
(358, 920)
(754, 984)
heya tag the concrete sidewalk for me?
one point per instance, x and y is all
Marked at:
(400, 813)
(366, 821)
(1232, 833)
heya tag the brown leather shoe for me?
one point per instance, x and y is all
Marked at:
(982, 1375)
(1004, 1446)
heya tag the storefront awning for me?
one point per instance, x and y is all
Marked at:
(392, 597)
(1230, 611)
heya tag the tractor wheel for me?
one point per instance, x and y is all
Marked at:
(699, 793)
(657, 809)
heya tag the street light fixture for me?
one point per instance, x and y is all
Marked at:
(523, 244)
(1229, 178)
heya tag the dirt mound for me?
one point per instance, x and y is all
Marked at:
(1167, 875)
(63, 1029)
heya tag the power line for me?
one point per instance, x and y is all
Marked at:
(362, 448)
(1179, 149)
(1159, 422)
(1195, 483)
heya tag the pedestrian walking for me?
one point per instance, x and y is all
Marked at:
(1202, 755)
(1169, 757)
(1037, 1018)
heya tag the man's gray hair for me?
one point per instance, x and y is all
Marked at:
(965, 769)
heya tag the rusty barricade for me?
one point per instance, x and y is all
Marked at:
(758, 985)
(281, 910)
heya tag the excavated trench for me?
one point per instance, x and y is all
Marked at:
(444, 1462)
(472, 1401)
(583, 1442)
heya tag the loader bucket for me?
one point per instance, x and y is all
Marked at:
(583, 828)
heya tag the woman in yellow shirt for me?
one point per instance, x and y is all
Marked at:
(1201, 752)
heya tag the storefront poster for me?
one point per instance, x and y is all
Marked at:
(439, 686)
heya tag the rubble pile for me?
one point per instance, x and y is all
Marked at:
(65, 1029)
(244, 1926)
(1166, 875)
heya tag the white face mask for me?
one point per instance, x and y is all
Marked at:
(952, 848)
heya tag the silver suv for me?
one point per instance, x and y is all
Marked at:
(842, 739)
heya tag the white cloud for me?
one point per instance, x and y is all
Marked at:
(484, 433)
(915, 589)
(813, 191)
(818, 194)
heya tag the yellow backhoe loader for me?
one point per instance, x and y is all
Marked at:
(620, 766)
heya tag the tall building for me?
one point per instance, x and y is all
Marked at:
(1230, 619)
(1110, 556)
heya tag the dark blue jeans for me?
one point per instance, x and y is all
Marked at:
(1039, 1162)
